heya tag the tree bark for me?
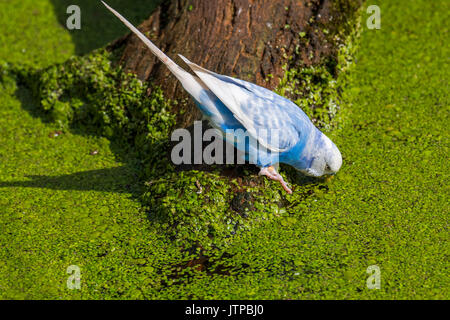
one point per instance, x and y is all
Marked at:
(248, 39)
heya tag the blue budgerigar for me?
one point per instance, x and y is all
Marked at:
(230, 103)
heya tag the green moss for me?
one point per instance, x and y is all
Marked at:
(62, 206)
(32, 35)
(315, 88)
(207, 209)
(212, 219)
(91, 94)
(239, 237)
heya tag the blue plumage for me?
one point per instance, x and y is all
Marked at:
(279, 129)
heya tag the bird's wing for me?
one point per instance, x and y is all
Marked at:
(257, 109)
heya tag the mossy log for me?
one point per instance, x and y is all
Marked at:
(249, 39)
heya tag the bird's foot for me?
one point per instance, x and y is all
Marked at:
(271, 173)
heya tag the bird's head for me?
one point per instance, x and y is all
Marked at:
(333, 157)
(326, 158)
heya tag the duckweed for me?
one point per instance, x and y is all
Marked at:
(140, 228)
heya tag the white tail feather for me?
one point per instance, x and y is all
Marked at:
(191, 83)
(173, 67)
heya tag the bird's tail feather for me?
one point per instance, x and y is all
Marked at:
(173, 67)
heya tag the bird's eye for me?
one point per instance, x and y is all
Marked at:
(327, 168)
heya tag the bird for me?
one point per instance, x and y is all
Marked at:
(283, 131)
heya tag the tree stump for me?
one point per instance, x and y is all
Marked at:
(248, 39)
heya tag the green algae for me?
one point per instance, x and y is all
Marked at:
(92, 94)
(239, 237)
